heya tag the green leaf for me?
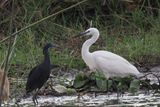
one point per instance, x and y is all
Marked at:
(134, 86)
(80, 80)
(93, 76)
(123, 83)
(103, 84)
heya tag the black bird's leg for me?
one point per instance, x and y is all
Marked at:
(34, 98)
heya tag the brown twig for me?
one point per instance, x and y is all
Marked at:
(8, 54)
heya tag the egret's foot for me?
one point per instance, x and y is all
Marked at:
(80, 95)
(108, 94)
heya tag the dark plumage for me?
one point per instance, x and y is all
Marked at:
(39, 74)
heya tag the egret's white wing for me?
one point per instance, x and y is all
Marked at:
(110, 56)
(113, 65)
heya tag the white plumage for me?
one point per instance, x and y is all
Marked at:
(110, 64)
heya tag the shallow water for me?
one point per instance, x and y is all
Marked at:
(141, 99)
(102, 100)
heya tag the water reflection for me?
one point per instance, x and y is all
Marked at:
(102, 100)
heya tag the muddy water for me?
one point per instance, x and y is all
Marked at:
(141, 99)
(102, 100)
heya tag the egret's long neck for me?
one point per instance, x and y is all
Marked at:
(87, 44)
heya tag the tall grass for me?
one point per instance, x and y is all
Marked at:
(132, 34)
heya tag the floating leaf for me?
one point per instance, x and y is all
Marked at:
(60, 88)
(93, 76)
(71, 91)
(134, 86)
(122, 87)
(124, 83)
(101, 84)
(100, 80)
(80, 80)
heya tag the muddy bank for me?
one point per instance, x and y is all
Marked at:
(49, 96)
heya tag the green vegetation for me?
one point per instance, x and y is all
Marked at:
(129, 28)
(132, 33)
(96, 82)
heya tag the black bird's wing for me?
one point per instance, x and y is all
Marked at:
(34, 69)
(32, 79)
(37, 77)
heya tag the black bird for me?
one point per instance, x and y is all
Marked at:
(39, 74)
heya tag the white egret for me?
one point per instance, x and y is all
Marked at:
(110, 64)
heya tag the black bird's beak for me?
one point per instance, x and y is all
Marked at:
(55, 46)
(81, 34)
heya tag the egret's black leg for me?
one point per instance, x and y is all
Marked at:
(114, 84)
(108, 87)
